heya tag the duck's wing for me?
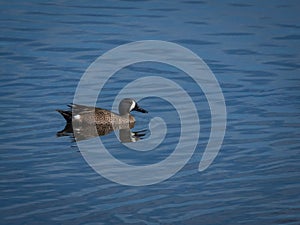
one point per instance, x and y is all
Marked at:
(82, 109)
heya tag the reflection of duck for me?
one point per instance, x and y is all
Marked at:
(106, 121)
(87, 131)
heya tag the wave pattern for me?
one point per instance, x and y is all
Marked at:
(46, 47)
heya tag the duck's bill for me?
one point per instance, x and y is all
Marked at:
(139, 109)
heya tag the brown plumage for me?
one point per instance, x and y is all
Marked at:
(89, 115)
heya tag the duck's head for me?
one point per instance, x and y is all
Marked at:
(127, 105)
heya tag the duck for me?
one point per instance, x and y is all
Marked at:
(89, 115)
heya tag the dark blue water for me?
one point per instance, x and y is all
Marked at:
(253, 50)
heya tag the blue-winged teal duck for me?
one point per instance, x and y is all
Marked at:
(88, 114)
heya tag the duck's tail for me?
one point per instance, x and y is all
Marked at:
(66, 114)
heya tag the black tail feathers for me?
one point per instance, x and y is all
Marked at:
(66, 114)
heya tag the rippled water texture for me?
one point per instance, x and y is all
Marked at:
(253, 50)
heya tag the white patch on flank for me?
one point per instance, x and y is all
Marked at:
(132, 106)
(77, 117)
(132, 138)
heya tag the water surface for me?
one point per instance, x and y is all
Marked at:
(252, 48)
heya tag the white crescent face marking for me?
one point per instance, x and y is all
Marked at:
(132, 106)
(77, 117)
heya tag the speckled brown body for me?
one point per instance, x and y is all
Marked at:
(89, 115)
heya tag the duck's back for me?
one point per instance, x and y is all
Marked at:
(88, 114)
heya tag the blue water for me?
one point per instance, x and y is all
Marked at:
(253, 50)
